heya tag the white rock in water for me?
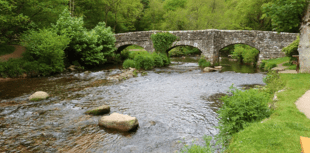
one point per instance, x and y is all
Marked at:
(208, 69)
(119, 122)
(218, 67)
(39, 95)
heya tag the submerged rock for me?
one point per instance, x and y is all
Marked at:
(39, 95)
(208, 69)
(99, 110)
(119, 122)
(123, 76)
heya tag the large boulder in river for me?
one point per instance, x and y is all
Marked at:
(39, 95)
(99, 110)
(119, 122)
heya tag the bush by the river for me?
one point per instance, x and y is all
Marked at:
(45, 49)
(145, 60)
(88, 47)
(129, 63)
(245, 53)
(203, 62)
(241, 108)
(158, 61)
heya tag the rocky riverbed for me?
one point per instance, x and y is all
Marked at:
(174, 106)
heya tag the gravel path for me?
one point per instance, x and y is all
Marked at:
(19, 50)
(303, 104)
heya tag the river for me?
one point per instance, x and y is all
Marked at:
(175, 105)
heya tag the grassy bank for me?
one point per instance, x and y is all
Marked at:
(281, 131)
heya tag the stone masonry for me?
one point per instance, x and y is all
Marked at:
(211, 41)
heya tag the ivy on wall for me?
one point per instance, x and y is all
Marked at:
(163, 41)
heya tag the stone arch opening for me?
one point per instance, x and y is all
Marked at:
(183, 50)
(248, 54)
(135, 48)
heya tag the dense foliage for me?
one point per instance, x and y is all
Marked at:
(285, 14)
(163, 41)
(6, 49)
(203, 62)
(20, 15)
(145, 60)
(245, 53)
(88, 47)
(47, 49)
(183, 51)
(291, 49)
(241, 108)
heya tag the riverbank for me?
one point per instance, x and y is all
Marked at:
(282, 130)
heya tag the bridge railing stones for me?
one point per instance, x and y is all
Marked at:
(211, 41)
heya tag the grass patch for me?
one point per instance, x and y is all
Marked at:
(292, 67)
(271, 63)
(281, 132)
(278, 60)
(6, 49)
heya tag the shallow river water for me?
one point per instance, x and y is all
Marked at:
(174, 106)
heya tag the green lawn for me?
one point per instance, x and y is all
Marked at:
(281, 132)
(6, 49)
(278, 60)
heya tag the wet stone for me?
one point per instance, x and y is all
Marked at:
(99, 110)
(119, 122)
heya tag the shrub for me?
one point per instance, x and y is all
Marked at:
(274, 82)
(262, 64)
(165, 59)
(269, 66)
(47, 48)
(291, 49)
(133, 54)
(163, 41)
(129, 63)
(158, 61)
(125, 54)
(6, 49)
(245, 53)
(241, 108)
(145, 62)
(89, 47)
(203, 62)
(12, 68)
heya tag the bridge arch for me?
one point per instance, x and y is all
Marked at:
(252, 45)
(122, 46)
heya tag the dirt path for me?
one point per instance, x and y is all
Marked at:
(19, 50)
(303, 104)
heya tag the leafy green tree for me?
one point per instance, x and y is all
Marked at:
(119, 14)
(285, 14)
(88, 47)
(45, 49)
(247, 15)
(10, 20)
(16, 16)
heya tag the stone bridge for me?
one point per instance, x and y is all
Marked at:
(211, 41)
